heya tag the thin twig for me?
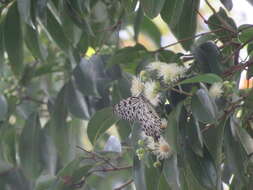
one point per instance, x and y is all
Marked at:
(98, 156)
(236, 68)
(187, 39)
(125, 184)
(181, 91)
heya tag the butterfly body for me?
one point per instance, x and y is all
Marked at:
(138, 108)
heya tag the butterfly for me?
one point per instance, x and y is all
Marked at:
(138, 108)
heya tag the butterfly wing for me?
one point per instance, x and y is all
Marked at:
(149, 120)
(127, 108)
(139, 109)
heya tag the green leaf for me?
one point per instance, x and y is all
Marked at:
(75, 14)
(60, 130)
(139, 174)
(171, 172)
(228, 30)
(207, 78)
(8, 144)
(29, 147)
(75, 101)
(213, 138)
(203, 107)
(144, 26)
(32, 42)
(152, 7)
(55, 31)
(208, 58)
(86, 76)
(3, 107)
(129, 57)
(171, 131)
(14, 40)
(24, 7)
(203, 168)
(181, 16)
(235, 155)
(246, 33)
(99, 123)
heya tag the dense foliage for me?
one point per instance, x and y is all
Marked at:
(64, 65)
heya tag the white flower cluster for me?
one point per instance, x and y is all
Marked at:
(170, 72)
(150, 90)
(216, 90)
(161, 149)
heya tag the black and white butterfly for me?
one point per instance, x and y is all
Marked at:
(138, 108)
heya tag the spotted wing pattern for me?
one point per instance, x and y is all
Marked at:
(139, 109)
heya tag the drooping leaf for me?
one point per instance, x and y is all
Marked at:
(32, 42)
(60, 130)
(55, 31)
(181, 16)
(29, 147)
(171, 172)
(13, 38)
(99, 123)
(75, 101)
(24, 7)
(139, 174)
(235, 154)
(203, 168)
(203, 107)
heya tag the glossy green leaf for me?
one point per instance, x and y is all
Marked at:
(24, 7)
(75, 101)
(152, 7)
(181, 16)
(14, 40)
(203, 107)
(228, 29)
(99, 123)
(171, 172)
(3, 107)
(208, 58)
(29, 147)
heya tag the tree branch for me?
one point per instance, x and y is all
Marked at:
(124, 185)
